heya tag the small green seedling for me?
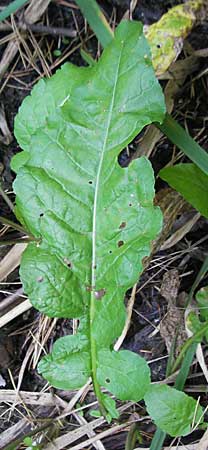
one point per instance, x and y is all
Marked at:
(93, 220)
(30, 444)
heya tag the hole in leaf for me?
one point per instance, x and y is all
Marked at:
(68, 263)
(120, 243)
(39, 279)
(89, 288)
(107, 380)
(123, 225)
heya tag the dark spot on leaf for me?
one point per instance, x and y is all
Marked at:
(68, 263)
(110, 251)
(130, 204)
(120, 243)
(158, 45)
(123, 225)
(39, 279)
(95, 267)
(41, 214)
(89, 288)
(107, 380)
(99, 294)
(90, 182)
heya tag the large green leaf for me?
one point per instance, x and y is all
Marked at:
(95, 220)
(191, 182)
(172, 411)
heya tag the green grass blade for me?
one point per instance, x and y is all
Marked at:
(131, 437)
(185, 142)
(97, 21)
(158, 440)
(194, 338)
(185, 367)
(87, 58)
(11, 9)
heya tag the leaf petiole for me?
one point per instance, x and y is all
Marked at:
(17, 241)
(6, 198)
(14, 225)
(96, 385)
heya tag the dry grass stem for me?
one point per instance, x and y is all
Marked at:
(82, 421)
(181, 232)
(11, 261)
(129, 310)
(33, 12)
(15, 312)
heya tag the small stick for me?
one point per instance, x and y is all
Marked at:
(39, 28)
(46, 29)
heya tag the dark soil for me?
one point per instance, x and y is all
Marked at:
(187, 256)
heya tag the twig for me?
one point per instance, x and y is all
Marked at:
(42, 29)
(46, 29)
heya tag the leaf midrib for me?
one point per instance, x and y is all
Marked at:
(93, 347)
(97, 185)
